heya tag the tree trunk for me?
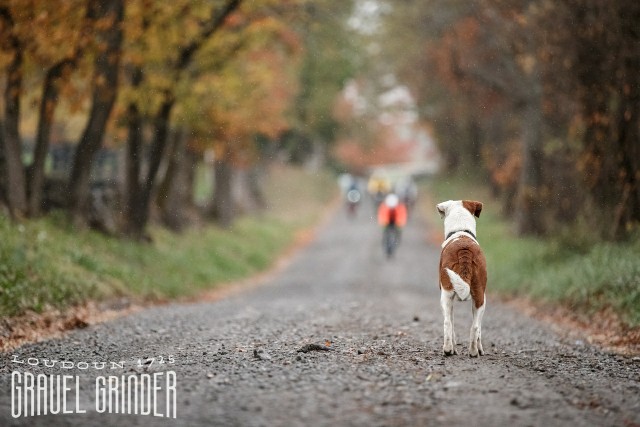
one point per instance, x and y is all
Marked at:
(48, 104)
(627, 153)
(133, 164)
(134, 155)
(15, 176)
(608, 79)
(626, 141)
(3, 169)
(190, 166)
(140, 206)
(105, 81)
(530, 204)
(223, 209)
(172, 151)
(256, 177)
(173, 192)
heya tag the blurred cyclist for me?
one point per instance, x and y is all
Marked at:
(407, 191)
(353, 198)
(378, 186)
(392, 215)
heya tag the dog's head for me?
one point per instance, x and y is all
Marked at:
(459, 215)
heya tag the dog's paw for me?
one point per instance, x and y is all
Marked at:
(480, 349)
(449, 351)
(473, 352)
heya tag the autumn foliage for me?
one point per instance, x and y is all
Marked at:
(540, 98)
(161, 81)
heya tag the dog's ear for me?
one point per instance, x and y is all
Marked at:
(474, 207)
(442, 209)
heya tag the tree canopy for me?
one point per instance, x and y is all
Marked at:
(154, 77)
(538, 97)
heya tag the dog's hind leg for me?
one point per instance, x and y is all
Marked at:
(446, 303)
(480, 315)
(475, 344)
(453, 330)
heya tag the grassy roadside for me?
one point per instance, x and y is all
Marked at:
(585, 278)
(44, 265)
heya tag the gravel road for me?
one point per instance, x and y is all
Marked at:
(377, 360)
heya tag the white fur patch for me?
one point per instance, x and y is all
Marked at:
(460, 287)
(456, 217)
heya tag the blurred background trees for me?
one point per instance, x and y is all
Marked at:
(539, 98)
(113, 110)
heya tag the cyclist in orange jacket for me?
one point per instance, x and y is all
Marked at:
(392, 215)
(392, 212)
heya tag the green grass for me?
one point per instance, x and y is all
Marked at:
(584, 277)
(45, 264)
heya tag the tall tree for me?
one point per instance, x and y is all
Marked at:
(108, 15)
(244, 90)
(564, 73)
(11, 142)
(604, 56)
(142, 187)
(77, 32)
(333, 53)
(482, 60)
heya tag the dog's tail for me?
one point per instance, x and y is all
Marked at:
(460, 287)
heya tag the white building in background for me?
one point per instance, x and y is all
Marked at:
(394, 115)
(397, 113)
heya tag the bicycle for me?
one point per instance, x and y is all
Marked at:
(391, 239)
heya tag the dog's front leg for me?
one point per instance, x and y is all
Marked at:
(446, 303)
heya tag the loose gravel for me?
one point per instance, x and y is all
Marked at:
(343, 336)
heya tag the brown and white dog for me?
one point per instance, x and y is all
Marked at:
(463, 271)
